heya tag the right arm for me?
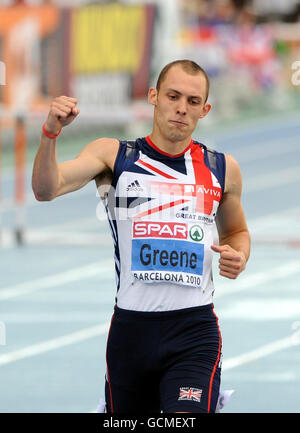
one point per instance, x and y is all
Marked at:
(50, 179)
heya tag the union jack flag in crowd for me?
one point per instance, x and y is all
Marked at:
(190, 394)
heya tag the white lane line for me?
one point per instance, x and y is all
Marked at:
(75, 316)
(249, 309)
(262, 149)
(53, 235)
(268, 229)
(58, 279)
(255, 183)
(8, 203)
(260, 223)
(261, 352)
(255, 280)
(81, 223)
(57, 238)
(270, 180)
(55, 343)
(100, 224)
(67, 238)
(102, 268)
(94, 331)
(263, 126)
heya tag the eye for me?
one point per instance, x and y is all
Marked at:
(172, 97)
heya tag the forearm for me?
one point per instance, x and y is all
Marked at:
(45, 175)
(239, 241)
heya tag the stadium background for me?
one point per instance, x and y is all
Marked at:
(57, 283)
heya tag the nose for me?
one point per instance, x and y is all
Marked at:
(181, 108)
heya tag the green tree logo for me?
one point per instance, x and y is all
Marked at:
(196, 233)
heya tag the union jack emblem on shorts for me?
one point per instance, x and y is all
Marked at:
(186, 393)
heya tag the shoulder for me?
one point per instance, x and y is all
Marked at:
(233, 178)
(231, 163)
(104, 149)
(102, 145)
(216, 162)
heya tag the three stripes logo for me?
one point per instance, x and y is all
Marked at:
(134, 186)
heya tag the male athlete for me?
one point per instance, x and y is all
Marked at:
(166, 193)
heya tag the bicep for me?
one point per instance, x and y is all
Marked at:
(95, 158)
(230, 217)
(76, 173)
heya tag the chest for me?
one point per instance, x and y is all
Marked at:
(150, 188)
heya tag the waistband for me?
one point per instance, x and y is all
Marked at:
(162, 315)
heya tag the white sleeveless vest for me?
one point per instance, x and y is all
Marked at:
(161, 209)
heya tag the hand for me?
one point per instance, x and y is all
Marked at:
(62, 112)
(231, 262)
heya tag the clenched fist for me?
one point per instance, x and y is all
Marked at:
(231, 262)
(62, 112)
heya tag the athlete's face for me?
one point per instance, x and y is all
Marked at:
(179, 104)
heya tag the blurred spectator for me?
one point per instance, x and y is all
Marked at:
(281, 7)
(210, 12)
(213, 12)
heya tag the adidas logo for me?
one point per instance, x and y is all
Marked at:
(134, 186)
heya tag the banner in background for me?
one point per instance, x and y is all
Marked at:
(111, 46)
(107, 38)
(98, 53)
(22, 30)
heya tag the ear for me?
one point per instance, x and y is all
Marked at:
(152, 96)
(205, 110)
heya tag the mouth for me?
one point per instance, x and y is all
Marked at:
(178, 123)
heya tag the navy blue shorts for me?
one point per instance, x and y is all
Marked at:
(163, 361)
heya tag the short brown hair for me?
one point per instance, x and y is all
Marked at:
(189, 66)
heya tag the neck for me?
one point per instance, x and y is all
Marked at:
(169, 146)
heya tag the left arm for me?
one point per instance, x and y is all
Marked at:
(233, 232)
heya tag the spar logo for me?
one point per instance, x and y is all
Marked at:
(149, 229)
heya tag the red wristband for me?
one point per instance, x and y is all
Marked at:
(49, 135)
